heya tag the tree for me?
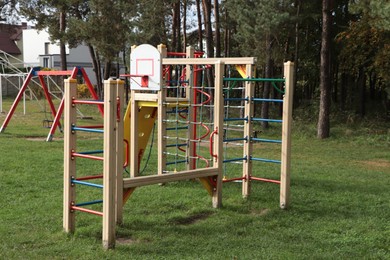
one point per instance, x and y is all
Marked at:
(323, 128)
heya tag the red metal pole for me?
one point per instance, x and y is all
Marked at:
(264, 180)
(91, 89)
(87, 210)
(16, 101)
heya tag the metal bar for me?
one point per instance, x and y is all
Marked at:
(175, 162)
(265, 160)
(234, 160)
(88, 102)
(87, 210)
(176, 145)
(266, 140)
(236, 99)
(90, 177)
(87, 184)
(267, 120)
(235, 119)
(267, 100)
(87, 156)
(90, 130)
(234, 179)
(89, 203)
(235, 139)
(177, 128)
(264, 180)
(255, 79)
(92, 152)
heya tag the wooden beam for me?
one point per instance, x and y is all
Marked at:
(168, 177)
(109, 164)
(70, 117)
(205, 61)
(286, 136)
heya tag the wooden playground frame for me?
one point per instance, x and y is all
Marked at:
(116, 188)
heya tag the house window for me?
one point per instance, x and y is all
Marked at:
(47, 48)
(46, 62)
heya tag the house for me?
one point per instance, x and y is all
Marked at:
(11, 44)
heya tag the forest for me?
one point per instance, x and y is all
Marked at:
(341, 49)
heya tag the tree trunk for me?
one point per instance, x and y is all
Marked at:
(200, 31)
(296, 52)
(107, 69)
(64, 65)
(208, 28)
(323, 128)
(227, 35)
(362, 92)
(184, 24)
(267, 85)
(217, 30)
(96, 70)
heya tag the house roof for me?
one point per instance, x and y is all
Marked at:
(7, 45)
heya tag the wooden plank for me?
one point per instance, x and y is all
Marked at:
(133, 135)
(120, 85)
(145, 97)
(109, 164)
(248, 132)
(70, 117)
(168, 177)
(286, 136)
(205, 61)
(218, 125)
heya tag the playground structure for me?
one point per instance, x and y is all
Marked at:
(191, 132)
(56, 113)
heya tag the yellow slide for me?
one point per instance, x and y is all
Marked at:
(147, 116)
(242, 70)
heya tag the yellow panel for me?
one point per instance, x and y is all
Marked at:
(146, 116)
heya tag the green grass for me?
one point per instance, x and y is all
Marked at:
(340, 204)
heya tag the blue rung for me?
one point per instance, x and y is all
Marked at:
(265, 160)
(266, 140)
(235, 139)
(236, 99)
(87, 184)
(235, 119)
(267, 100)
(176, 162)
(234, 160)
(88, 203)
(267, 120)
(90, 130)
(174, 111)
(92, 152)
(177, 128)
(176, 145)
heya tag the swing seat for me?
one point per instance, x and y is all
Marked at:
(46, 123)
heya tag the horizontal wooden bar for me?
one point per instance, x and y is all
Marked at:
(168, 177)
(205, 61)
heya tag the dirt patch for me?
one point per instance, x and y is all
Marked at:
(377, 164)
(260, 212)
(191, 219)
(126, 241)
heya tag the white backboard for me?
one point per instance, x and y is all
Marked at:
(145, 68)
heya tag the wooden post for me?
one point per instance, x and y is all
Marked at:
(70, 87)
(218, 125)
(133, 135)
(109, 164)
(248, 130)
(120, 85)
(190, 95)
(286, 136)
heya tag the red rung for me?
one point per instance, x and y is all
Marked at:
(87, 210)
(264, 180)
(233, 179)
(91, 177)
(87, 156)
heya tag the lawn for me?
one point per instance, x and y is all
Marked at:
(340, 204)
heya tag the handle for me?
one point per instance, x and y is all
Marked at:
(212, 143)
